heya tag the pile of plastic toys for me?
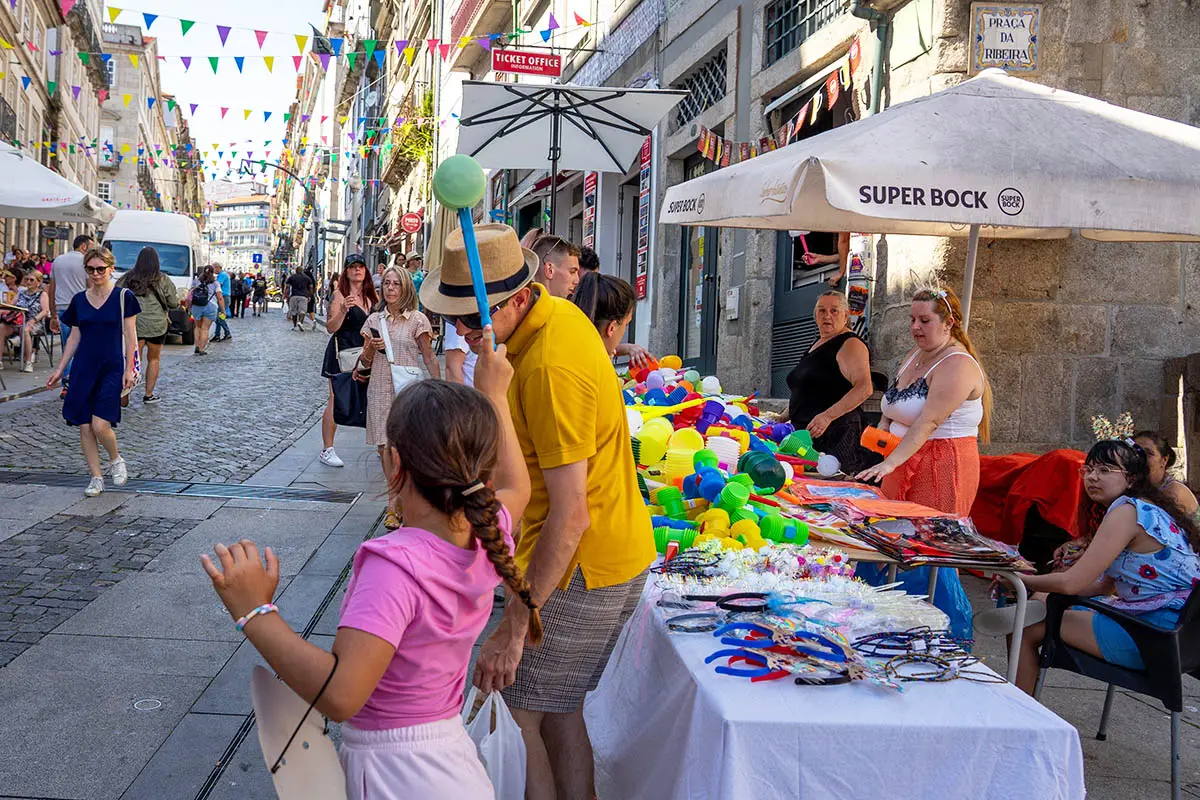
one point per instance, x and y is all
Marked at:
(709, 465)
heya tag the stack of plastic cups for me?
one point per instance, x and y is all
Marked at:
(796, 443)
(727, 451)
(679, 464)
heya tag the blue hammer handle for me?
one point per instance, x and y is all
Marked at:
(468, 230)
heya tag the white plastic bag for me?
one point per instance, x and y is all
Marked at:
(497, 737)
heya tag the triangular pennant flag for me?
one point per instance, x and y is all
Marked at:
(186, 61)
(213, 61)
(445, 50)
(269, 61)
(224, 111)
(149, 103)
(409, 53)
(380, 55)
(5, 43)
(336, 44)
(433, 45)
(185, 25)
(193, 107)
(324, 61)
(171, 105)
(149, 19)
(103, 56)
(85, 58)
(286, 118)
(301, 41)
(261, 36)
(463, 41)
(266, 115)
(239, 60)
(113, 13)
(223, 32)
(546, 34)
(102, 95)
(51, 87)
(369, 47)
(400, 45)
(323, 118)
(296, 60)
(125, 98)
(75, 90)
(486, 43)
(66, 6)
(246, 113)
(553, 23)
(133, 59)
(581, 21)
(351, 58)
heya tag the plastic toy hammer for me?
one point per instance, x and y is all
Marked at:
(459, 183)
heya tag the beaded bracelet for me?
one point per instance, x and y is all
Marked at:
(265, 608)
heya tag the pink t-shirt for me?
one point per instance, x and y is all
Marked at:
(430, 600)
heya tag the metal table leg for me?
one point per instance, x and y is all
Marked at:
(1014, 649)
(933, 578)
(893, 568)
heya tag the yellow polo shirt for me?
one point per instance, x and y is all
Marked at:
(567, 407)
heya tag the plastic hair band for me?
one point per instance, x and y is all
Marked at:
(743, 601)
(700, 622)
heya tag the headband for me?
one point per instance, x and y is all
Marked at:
(941, 295)
(1121, 430)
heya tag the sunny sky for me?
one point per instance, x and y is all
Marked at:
(255, 88)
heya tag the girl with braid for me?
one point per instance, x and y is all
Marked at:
(418, 598)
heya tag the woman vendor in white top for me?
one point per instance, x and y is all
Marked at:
(939, 405)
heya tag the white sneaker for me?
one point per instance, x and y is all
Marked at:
(28, 367)
(119, 472)
(95, 487)
(330, 458)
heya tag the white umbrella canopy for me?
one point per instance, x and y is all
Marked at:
(30, 191)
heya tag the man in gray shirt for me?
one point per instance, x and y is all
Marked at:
(67, 279)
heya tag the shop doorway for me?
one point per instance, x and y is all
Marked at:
(699, 277)
(797, 283)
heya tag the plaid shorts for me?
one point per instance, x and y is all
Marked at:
(579, 631)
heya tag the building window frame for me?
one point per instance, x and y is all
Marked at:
(706, 86)
(787, 24)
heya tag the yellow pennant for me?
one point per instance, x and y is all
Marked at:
(246, 113)
(301, 41)
(270, 62)
(463, 41)
(5, 44)
(409, 52)
(133, 59)
(126, 98)
(113, 13)
(125, 148)
(342, 120)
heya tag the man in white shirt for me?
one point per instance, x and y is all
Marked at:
(67, 279)
(460, 359)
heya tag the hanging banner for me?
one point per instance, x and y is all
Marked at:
(591, 182)
(642, 267)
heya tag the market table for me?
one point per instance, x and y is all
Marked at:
(664, 725)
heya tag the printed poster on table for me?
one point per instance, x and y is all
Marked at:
(590, 181)
(643, 244)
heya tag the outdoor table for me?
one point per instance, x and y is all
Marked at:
(664, 725)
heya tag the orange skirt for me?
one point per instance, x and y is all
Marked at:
(943, 474)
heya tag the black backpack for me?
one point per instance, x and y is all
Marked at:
(200, 295)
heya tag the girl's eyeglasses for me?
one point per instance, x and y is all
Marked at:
(1100, 470)
(95, 270)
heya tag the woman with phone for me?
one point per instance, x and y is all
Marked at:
(392, 361)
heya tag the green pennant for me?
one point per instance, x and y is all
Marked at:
(72, 149)
(287, 117)
(185, 25)
(170, 105)
(351, 58)
(213, 61)
(369, 46)
(85, 57)
(51, 87)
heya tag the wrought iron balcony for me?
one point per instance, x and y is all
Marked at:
(788, 23)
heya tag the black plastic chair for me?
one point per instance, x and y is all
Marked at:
(1167, 655)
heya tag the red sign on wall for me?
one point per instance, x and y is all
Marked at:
(526, 63)
(410, 223)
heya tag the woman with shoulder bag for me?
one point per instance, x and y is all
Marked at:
(205, 301)
(157, 296)
(397, 337)
(353, 300)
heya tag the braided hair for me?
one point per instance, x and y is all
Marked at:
(450, 463)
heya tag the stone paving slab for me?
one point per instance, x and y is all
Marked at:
(181, 765)
(120, 654)
(152, 505)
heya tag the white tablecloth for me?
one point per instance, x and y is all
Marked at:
(664, 725)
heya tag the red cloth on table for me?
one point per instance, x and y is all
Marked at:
(1010, 485)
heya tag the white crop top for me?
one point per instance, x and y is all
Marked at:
(904, 406)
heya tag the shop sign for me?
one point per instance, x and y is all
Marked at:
(522, 62)
(643, 242)
(590, 181)
(410, 223)
(1005, 35)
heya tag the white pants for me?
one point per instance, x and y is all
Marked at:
(431, 761)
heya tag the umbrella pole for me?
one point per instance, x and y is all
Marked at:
(969, 274)
(555, 152)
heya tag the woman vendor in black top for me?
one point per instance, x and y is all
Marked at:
(830, 384)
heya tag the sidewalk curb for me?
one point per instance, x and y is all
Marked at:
(26, 393)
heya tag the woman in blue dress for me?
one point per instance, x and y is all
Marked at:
(102, 345)
(1142, 560)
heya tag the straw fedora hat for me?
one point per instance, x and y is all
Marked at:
(507, 268)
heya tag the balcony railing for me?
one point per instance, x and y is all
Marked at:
(788, 23)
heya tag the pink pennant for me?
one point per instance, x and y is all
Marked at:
(102, 95)
(323, 118)
(296, 60)
(224, 111)
(445, 49)
(433, 43)
(261, 36)
(223, 30)
(187, 62)
(66, 6)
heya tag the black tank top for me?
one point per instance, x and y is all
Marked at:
(817, 382)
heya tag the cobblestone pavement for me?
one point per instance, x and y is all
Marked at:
(222, 417)
(58, 566)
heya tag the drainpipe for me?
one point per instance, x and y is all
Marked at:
(883, 24)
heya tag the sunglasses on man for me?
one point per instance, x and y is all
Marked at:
(474, 321)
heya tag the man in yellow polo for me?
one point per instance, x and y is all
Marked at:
(586, 542)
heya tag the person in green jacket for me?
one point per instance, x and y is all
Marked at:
(157, 295)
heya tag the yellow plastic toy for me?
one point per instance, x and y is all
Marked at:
(671, 362)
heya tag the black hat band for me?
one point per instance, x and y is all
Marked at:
(492, 287)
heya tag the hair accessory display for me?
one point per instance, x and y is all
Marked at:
(1121, 430)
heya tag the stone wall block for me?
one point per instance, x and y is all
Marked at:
(951, 55)
(982, 326)
(1053, 329)
(1019, 269)
(953, 18)
(1119, 272)
(1098, 21)
(1141, 392)
(1170, 24)
(1137, 71)
(1152, 332)
(1045, 394)
(1004, 374)
(1096, 392)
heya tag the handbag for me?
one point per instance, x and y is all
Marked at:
(137, 354)
(402, 376)
(349, 400)
(347, 359)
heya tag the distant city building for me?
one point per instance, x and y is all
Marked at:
(238, 232)
(221, 191)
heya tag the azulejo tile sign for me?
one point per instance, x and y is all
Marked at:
(1005, 35)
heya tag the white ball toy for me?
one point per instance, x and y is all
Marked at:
(828, 466)
(710, 385)
(635, 420)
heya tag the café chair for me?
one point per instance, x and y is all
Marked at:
(1167, 655)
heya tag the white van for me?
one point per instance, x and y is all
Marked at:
(180, 253)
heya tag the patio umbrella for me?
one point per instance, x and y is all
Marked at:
(523, 126)
(31, 191)
(994, 155)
